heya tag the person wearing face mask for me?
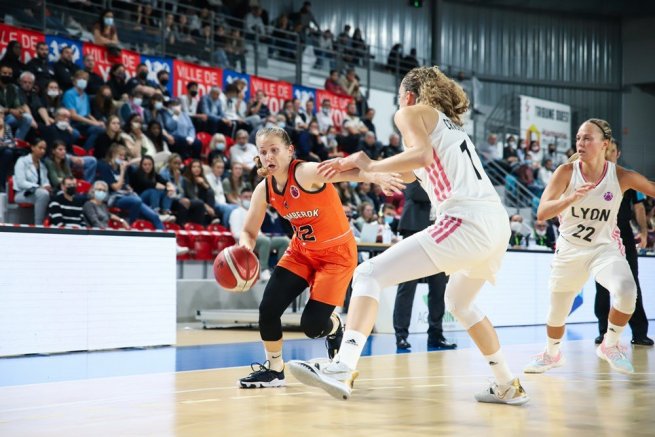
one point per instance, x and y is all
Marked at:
(191, 105)
(51, 98)
(519, 238)
(510, 152)
(163, 77)
(65, 68)
(104, 30)
(18, 114)
(556, 157)
(132, 106)
(180, 126)
(210, 113)
(324, 116)
(95, 210)
(543, 235)
(40, 66)
(118, 82)
(535, 153)
(218, 147)
(141, 83)
(9, 153)
(31, 181)
(65, 210)
(78, 103)
(95, 81)
(243, 152)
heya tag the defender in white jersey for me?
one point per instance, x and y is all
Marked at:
(467, 241)
(586, 195)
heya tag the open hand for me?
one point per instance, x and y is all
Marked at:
(390, 183)
(330, 168)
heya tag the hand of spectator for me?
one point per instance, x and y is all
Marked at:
(77, 160)
(210, 210)
(389, 183)
(34, 125)
(160, 186)
(203, 117)
(123, 166)
(48, 187)
(99, 123)
(200, 181)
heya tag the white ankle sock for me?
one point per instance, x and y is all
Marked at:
(553, 345)
(351, 348)
(613, 334)
(499, 367)
(275, 360)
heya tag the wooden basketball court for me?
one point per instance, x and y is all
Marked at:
(404, 394)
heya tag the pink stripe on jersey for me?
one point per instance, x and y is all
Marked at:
(442, 172)
(438, 187)
(616, 236)
(449, 225)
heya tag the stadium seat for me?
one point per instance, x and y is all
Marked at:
(11, 194)
(79, 151)
(113, 224)
(143, 225)
(46, 222)
(83, 186)
(22, 144)
(217, 228)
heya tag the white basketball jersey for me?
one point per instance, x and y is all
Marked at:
(591, 221)
(456, 174)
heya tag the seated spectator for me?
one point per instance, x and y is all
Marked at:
(65, 210)
(215, 179)
(324, 116)
(29, 96)
(371, 146)
(9, 153)
(104, 31)
(163, 78)
(51, 98)
(65, 68)
(154, 190)
(17, 113)
(545, 172)
(311, 145)
(141, 83)
(289, 113)
(366, 215)
(243, 152)
(358, 47)
(347, 194)
(394, 147)
(236, 50)
(258, 107)
(77, 102)
(12, 60)
(308, 113)
(31, 181)
(102, 105)
(180, 126)
(132, 106)
(152, 141)
(57, 165)
(283, 39)
(217, 147)
(254, 23)
(220, 48)
(556, 157)
(350, 83)
(262, 244)
(369, 114)
(235, 108)
(110, 136)
(95, 81)
(185, 209)
(510, 151)
(520, 237)
(113, 170)
(191, 104)
(365, 193)
(118, 82)
(95, 209)
(210, 115)
(544, 235)
(535, 153)
(489, 150)
(234, 183)
(333, 85)
(40, 67)
(197, 188)
(62, 131)
(395, 57)
(409, 62)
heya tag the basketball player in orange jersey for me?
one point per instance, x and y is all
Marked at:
(322, 254)
(586, 194)
(467, 242)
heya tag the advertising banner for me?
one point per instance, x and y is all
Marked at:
(545, 122)
(184, 72)
(28, 40)
(57, 43)
(230, 76)
(155, 65)
(339, 105)
(276, 92)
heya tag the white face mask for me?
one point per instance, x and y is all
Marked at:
(516, 226)
(81, 84)
(53, 93)
(137, 101)
(220, 146)
(62, 125)
(245, 203)
(540, 232)
(158, 105)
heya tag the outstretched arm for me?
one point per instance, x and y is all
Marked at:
(638, 182)
(309, 176)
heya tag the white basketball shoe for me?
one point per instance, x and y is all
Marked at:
(543, 362)
(511, 393)
(335, 378)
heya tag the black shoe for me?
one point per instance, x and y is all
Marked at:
(263, 377)
(402, 343)
(642, 341)
(599, 339)
(333, 342)
(441, 344)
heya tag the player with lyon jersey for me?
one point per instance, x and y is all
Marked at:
(586, 194)
(467, 241)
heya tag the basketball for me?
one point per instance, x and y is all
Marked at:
(236, 269)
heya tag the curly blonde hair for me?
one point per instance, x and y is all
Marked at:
(435, 89)
(265, 132)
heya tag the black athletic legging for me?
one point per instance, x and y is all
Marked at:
(281, 290)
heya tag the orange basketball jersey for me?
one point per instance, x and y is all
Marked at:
(317, 217)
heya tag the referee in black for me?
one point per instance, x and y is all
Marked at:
(631, 200)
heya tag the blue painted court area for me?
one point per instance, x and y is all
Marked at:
(88, 365)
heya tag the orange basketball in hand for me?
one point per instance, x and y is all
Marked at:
(236, 269)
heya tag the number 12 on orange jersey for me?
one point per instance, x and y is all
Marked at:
(304, 232)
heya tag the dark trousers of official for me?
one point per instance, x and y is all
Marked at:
(402, 310)
(638, 321)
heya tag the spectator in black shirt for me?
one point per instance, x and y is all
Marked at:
(65, 68)
(117, 81)
(95, 81)
(66, 209)
(142, 83)
(544, 235)
(153, 189)
(17, 114)
(368, 119)
(12, 59)
(29, 96)
(371, 146)
(394, 147)
(163, 77)
(51, 97)
(40, 67)
(102, 105)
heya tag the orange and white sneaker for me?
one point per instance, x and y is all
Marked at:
(543, 362)
(616, 357)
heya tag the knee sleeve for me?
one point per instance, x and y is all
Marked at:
(465, 311)
(625, 298)
(560, 307)
(270, 323)
(313, 327)
(364, 282)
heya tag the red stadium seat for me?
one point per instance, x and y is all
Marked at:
(113, 224)
(202, 250)
(205, 138)
(11, 194)
(79, 151)
(83, 186)
(46, 222)
(169, 226)
(143, 225)
(22, 144)
(217, 228)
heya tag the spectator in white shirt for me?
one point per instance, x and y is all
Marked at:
(545, 172)
(243, 152)
(324, 116)
(215, 179)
